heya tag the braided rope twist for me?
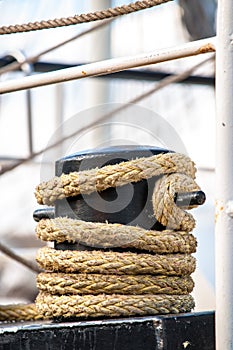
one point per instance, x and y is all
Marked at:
(111, 305)
(99, 179)
(83, 18)
(99, 283)
(106, 235)
(19, 312)
(82, 284)
(168, 214)
(104, 283)
(102, 262)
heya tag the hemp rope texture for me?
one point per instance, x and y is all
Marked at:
(180, 167)
(83, 18)
(161, 281)
(111, 305)
(105, 235)
(19, 312)
(75, 280)
(100, 179)
(58, 283)
(168, 214)
(102, 262)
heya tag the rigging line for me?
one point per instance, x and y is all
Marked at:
(17, 65)
(163, 83)
(11, 254)
(83, 18)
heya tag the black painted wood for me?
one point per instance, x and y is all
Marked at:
(193, 331)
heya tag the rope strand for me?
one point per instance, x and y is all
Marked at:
(19, 312)
(111, 305)
(58, 283)
(104, 283)
(97, 283)
(105, 235)
(86, 182)
(72, 261)
(83, 18)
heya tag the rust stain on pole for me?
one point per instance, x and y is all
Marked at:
(219, 208)
(206, 48)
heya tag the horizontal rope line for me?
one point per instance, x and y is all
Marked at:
(104, 235)
(20, 312)
(99, 179)
(59, 283)
(83, 18)
(111, 305)
(100, 262)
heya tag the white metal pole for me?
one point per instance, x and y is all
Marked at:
(98, 89)
(110, 66)
(59, 115)
(224, 177)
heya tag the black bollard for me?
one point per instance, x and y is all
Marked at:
(129, 205)
(194, 331)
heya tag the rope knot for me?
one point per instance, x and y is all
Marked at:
(165, 209)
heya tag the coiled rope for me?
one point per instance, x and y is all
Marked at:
(107, 283)
(83, 18)
(21, 312)
(100, 282)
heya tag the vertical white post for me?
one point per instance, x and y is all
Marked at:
(101, 50)
(59, 115)
(224, 177)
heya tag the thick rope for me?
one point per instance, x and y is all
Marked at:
(111, 305)
(58, 283)
(168, 214)
(69, 261)
(19, 312)
(83, 18)
(99, 179)
(97, 283)
(180, 168)
(104, 235)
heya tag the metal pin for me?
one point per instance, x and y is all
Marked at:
(45, 213)
(189, 199)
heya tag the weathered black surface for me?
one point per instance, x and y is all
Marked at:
(193, 331)
(130, 204)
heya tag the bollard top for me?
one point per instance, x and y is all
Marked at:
(99, 157)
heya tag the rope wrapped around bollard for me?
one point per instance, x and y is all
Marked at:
(130, 270)
(149, 275)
